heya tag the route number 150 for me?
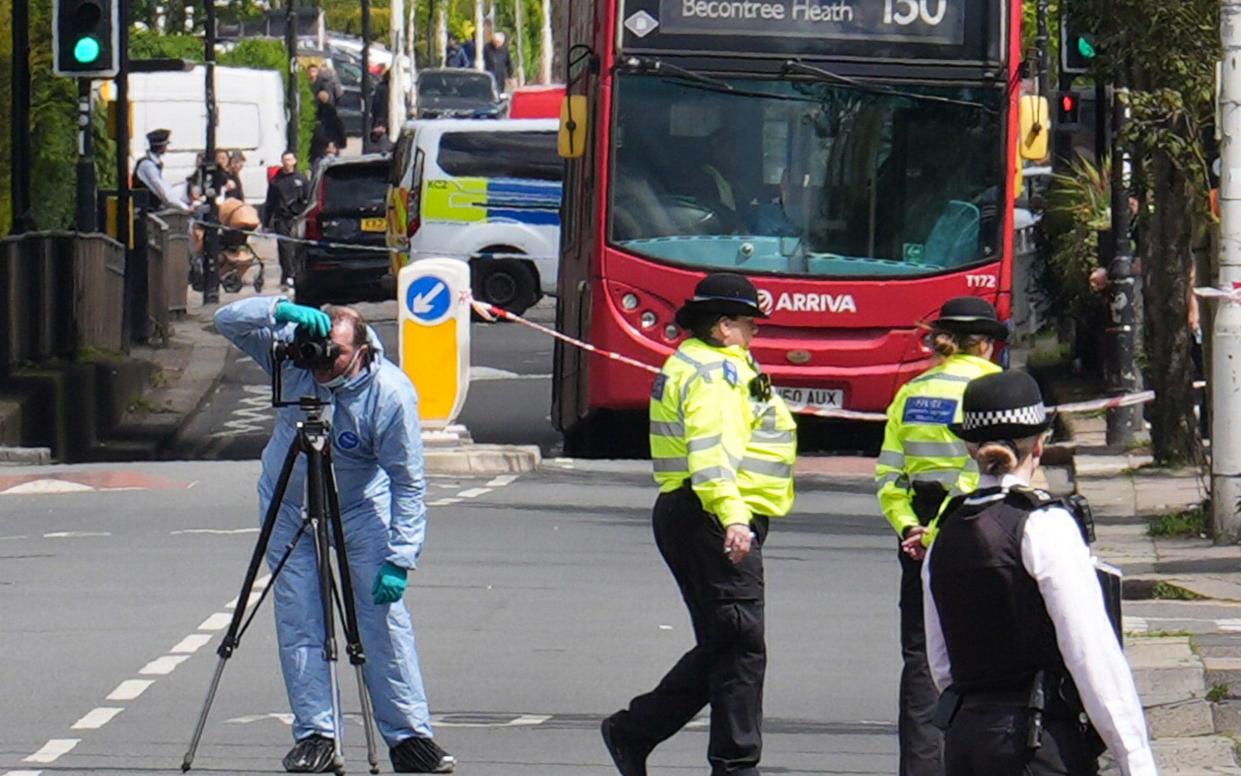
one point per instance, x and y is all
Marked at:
(906, 12)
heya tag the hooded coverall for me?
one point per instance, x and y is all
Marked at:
(378, 463)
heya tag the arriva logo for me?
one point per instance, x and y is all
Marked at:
(806, 303)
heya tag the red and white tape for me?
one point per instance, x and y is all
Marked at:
(491, 313)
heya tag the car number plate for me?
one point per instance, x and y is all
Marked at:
(374, 225)
(813, 398)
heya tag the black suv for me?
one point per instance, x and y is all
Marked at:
(348, 217)
(458, 93)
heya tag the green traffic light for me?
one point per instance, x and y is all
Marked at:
(86, 50)
(1086, 48)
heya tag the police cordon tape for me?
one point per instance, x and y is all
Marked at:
(365, 248)
(491, 312)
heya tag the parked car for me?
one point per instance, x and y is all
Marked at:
(485, 191)
(453, 92)
(348, 208)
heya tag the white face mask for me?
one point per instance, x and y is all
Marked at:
(339, 380)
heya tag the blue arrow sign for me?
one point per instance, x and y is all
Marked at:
(428, 299)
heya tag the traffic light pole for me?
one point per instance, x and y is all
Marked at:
(366, 76)
(292, 88)
(1042, 42)
(1123, 376)
(211, 234)
(85, 219)
(1226, 333)
(19, 119)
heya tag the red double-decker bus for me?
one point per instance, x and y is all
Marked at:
(854, 158)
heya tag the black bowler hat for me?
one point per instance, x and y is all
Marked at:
(1005, 405)
(722, 293)
(158, 137)
(970, 315)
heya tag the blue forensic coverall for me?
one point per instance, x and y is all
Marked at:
(378, 462)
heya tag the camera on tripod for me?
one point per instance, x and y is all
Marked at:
(307, 351)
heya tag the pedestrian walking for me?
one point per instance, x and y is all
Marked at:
(149, 173)
(455, 55)
(497, 60)
(920, 464)
(378, 464)
(323, 79)
(287, 196)
(328, 127)
(723, 446)
(1018, 635)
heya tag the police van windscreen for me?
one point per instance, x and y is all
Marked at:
(527, 155)
(355, 188)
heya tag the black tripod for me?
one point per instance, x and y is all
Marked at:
(322, 508)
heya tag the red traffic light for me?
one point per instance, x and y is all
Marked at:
(1068, 102)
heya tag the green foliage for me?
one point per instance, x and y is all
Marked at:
(1187, 522)
(1078, 206)
(1166, 591)
(1218, 692)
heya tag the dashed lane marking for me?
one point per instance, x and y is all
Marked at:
(74, 534)
(23, 773)
(503, 480)
(52, 750)
(191, 644)
(215, 531)
(162, 666)
(216, 622)
(474, 492)
(97, 718)
(130, 689)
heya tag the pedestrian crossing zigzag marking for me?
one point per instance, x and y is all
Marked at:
(252, 417)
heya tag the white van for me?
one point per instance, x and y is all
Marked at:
(487, 191)
(249, 118)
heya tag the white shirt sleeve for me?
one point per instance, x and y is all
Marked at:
(148, 172)
(1054, 554)
(936, 649)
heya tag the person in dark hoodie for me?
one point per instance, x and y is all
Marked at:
(328, 128)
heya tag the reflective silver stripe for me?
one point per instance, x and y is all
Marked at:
(703, 443)
(936, 449)
(889, 478)
(769, 468)
(942, 477)
(668, 429)
(774, 437)
(890, 458)
(712, 473)
(679, 355)
(949, 378)
(705, 373)
(670, 464)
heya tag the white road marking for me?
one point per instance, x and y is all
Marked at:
(474, 492)
(443, 502)
(47, 487)
(52, 750)
(246, 720)
(217, 531)
(482, 374)
(10, 538)
(96, 718)
(502, 480)
(1229, 625)
(190, 644)
(74, 534)
(163, 665)
(22, 773)
(217, 621)
(1134, 624)
(130, 689)
(251, 417)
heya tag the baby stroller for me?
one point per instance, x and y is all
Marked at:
(238, 264)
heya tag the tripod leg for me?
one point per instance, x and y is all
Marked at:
(316, 514)
(353, 635)
(232, 637)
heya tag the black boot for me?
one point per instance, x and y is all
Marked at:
(313, 754)
(421, 755)
(630, 758)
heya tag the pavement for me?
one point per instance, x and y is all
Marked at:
(1183, 607)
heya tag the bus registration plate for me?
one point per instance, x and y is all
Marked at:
(813, 398)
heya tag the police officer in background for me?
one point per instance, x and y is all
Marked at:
(723, 446)
(920, 463)
(1017, 631)
(149, 173)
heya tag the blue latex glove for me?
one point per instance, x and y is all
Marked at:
(389, 584)
(314, 322)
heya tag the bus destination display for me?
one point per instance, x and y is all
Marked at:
(929, 21)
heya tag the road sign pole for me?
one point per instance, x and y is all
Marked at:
(85, 219)
(19, 119)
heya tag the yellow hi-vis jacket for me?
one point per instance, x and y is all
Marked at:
(917, 445)
(736, 451)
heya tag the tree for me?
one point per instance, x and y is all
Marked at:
(1166, 53)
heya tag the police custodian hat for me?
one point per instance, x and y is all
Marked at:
(158, 137)
(970, 315)
(1005, 405)
(722, 293)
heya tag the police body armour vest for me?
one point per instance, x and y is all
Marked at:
(992, 615)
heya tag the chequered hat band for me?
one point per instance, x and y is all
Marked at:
(1033, 415)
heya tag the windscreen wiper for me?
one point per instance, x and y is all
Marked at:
(659, 67)
(797, 66)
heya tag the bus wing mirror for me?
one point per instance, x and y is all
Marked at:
(573, 125)
(1035, 128)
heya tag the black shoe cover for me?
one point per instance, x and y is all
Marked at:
(421, 755)
(630, 760)
(313, 754)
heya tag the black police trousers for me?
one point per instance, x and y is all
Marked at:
(992, 741)
(921, 743)
(726, 666)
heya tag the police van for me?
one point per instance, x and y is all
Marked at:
(487, 192)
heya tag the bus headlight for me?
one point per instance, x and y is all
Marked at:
(629, 301)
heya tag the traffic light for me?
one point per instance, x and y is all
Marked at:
(1068, 110)
(84, 38)
(1078, 46)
